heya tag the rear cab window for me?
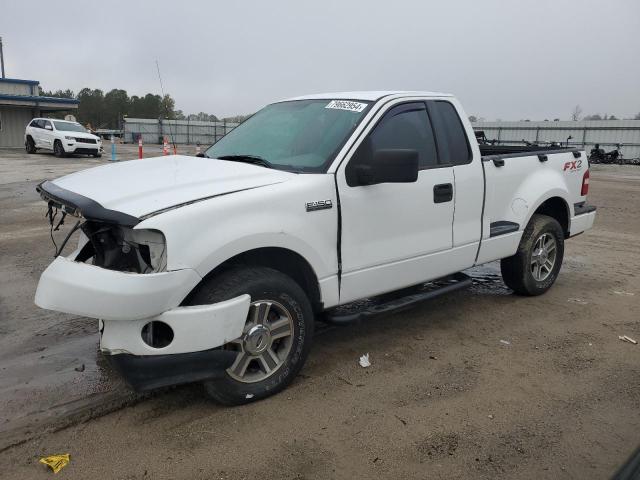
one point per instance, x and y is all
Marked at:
(453, 144)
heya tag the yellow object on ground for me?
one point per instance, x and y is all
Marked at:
(56, 462)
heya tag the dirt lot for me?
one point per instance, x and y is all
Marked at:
(445, 397)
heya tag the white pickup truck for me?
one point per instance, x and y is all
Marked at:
(214, 268)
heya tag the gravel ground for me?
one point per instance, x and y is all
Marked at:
(476, 384)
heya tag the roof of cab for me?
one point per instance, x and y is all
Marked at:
(367, 95)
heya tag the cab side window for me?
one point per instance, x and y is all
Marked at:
(453, 144)
(46, 123)
(36, 124)
(405, 126)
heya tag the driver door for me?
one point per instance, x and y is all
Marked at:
(396, 234)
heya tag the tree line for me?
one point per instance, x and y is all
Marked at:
(106, 110)
(576, 115)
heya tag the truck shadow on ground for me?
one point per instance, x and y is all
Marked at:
(335, 345)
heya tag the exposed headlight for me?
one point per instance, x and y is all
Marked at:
(151, 241)
(124, 249)
(69, 138)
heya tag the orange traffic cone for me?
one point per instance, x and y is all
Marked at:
(165, 147)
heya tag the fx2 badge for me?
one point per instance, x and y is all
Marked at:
(319, 205)
(573, 166)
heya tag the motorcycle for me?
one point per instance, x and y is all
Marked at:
(598, 155)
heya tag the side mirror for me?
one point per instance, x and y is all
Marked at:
(48, 127)
(389, 166)
(201, 155)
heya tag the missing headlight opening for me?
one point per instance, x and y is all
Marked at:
(122, 248)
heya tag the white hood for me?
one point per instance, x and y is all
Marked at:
(141, 187)
(80, 134)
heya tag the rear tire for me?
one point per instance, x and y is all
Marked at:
(58, 149)
(537, 262)
(30, 145)
(278, 304)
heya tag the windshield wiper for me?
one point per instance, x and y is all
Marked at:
(253, 159)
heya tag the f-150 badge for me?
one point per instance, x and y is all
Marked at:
(319, 205)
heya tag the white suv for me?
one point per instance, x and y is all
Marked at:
(61, 136)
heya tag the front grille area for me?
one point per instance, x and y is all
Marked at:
(86, 151)
(85, 140)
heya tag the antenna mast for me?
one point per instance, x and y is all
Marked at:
(173, 138)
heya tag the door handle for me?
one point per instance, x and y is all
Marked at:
(442, 193)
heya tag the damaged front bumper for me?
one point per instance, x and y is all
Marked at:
(132, 306)
(145, 373)
(91, 291)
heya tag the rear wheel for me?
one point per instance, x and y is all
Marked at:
(30, 145)
(276, 338)
(536, 265)
(58, 149)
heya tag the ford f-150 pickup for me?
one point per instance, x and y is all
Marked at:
(215, 268)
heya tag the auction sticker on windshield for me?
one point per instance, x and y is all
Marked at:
(347, 105)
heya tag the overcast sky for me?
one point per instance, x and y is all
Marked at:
(505, 60)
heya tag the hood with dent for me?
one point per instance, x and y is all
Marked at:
(141, 187)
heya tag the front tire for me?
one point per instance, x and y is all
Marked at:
(58, 149)
(277, 335)
(30, 145)
(537, 262)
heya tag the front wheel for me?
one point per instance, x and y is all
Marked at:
(276, 338)
(536, 264)
(58, 149)
(30, 145)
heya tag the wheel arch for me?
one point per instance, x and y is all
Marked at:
(281, 259)
(555, 207)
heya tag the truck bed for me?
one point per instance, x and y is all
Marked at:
(521, 150)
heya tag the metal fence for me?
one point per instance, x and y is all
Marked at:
(610, 134)
(178, 131)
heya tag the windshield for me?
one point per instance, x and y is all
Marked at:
(301, 135)
(69, 127)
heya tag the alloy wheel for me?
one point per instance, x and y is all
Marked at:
(265, 342)
(543, 257)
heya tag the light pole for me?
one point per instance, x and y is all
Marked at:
(1, 58)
